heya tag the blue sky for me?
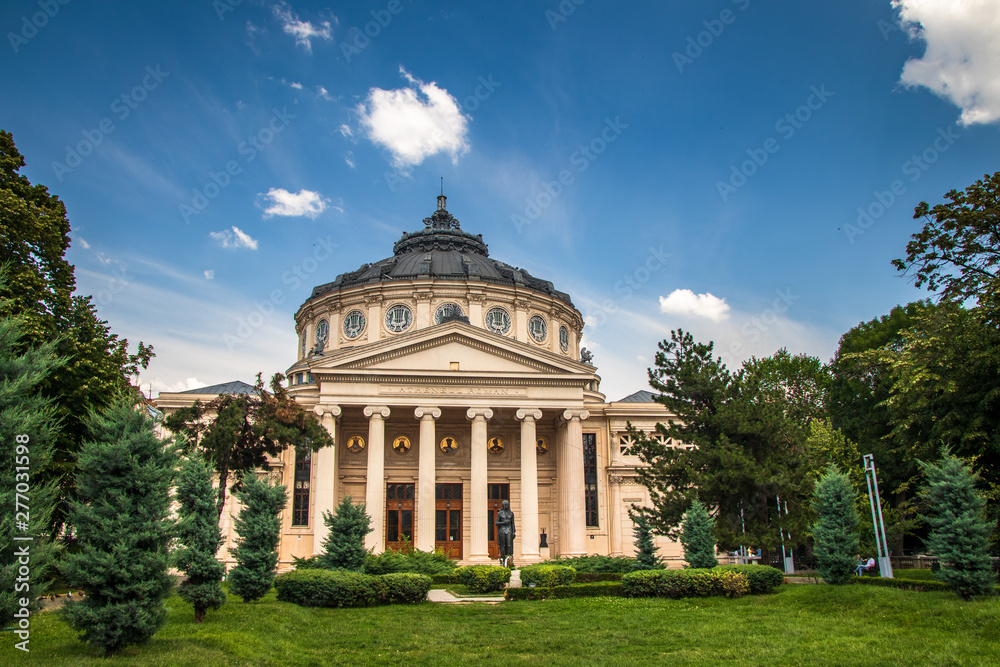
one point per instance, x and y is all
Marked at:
(741, 169)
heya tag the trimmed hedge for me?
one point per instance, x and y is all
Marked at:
(547, 575)
(340, 588)
(329, 588)
(690, 583)
(437, 579)
(413, 560)
(483, 578)
(600, 589)
(763, 579)
(922, 585)
(593, 577)
(602, 564)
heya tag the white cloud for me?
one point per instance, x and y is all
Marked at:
(323, 93)
(686, 302)
(346, 130)
(236, 238)
(303, 31)
(209, 274)
(296, 85)
(415, 122)
(962, 55)
(303, 203)
(349, 159)
(159, 385)
(86, 246)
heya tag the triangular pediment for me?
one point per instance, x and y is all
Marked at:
(440, 348)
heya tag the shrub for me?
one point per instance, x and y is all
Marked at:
(642, 583)
(836, 529)
(344, 546)
(922, 585)
(645, 547)
(763, 579)
(581, 564)
(697, 538)
(691, 583)
(734, 584)
(259, 528)
(413, 560)
(593, 577)
(547, 575)
(330, 588)
(441, 579)
(311, 563)
(406, 587)
(602, 589)
(483, 578)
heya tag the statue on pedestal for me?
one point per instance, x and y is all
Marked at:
(505, 533)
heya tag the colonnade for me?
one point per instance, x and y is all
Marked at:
(571, 512)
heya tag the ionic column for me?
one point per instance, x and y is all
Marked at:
(425, 487)
(478, 543)
(326, 475)
(375, 486)
(529, 485)
(572, 510)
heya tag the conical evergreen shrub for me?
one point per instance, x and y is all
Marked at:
(199, 538)
(697, 537)
(259, 528)
(344, 547)
(835, 532)
(645, 555)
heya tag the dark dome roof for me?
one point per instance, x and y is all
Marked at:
(441, 250)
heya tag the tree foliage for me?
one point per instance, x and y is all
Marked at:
(237, 432)
(835, 533)
(344, 546)
(34, 237)
(199, 539)
(697, 537)
(27, 433)
(645, 547)
(737, 440)
(123, 531)
(957, 253)
(259, 528)
(959, 534)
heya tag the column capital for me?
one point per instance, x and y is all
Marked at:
(423, 296)
(472, 413)
(333, 410)
(421, 412)
(571, 415)
(533, 414)
(380, 410)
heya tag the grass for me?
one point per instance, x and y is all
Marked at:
(800, 625)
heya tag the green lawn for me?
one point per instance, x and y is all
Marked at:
(800, 625)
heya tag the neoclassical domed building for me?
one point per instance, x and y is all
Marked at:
(451, 381)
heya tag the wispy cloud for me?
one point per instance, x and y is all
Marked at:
(235, 238)
(415, 122)
(303, 31)
(209, 274)
(304, 203)
(962, 55)
(686, 302)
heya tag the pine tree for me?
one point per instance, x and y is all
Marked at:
(26, 439)
(697, 537)
(959, 535)
(645, 555)
(836, 529)
(259, 528)
(122, 527)
(344, 547)
(200, 539)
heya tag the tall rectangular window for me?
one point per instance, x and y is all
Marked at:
(590, 477)
(300, 497)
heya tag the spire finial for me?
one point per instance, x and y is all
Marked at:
(441, 198)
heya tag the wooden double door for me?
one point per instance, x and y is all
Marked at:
(448, 519)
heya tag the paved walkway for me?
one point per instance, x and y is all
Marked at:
(441, 595)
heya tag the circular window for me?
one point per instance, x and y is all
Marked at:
(498, 320)
(355, 444)
(449, 445)
(354, 324)
(446, 311)
(537, 328)
(322, 331)
(398, 318)
(401, 444)
(495, 445)
(564, 338)
(541, 446)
